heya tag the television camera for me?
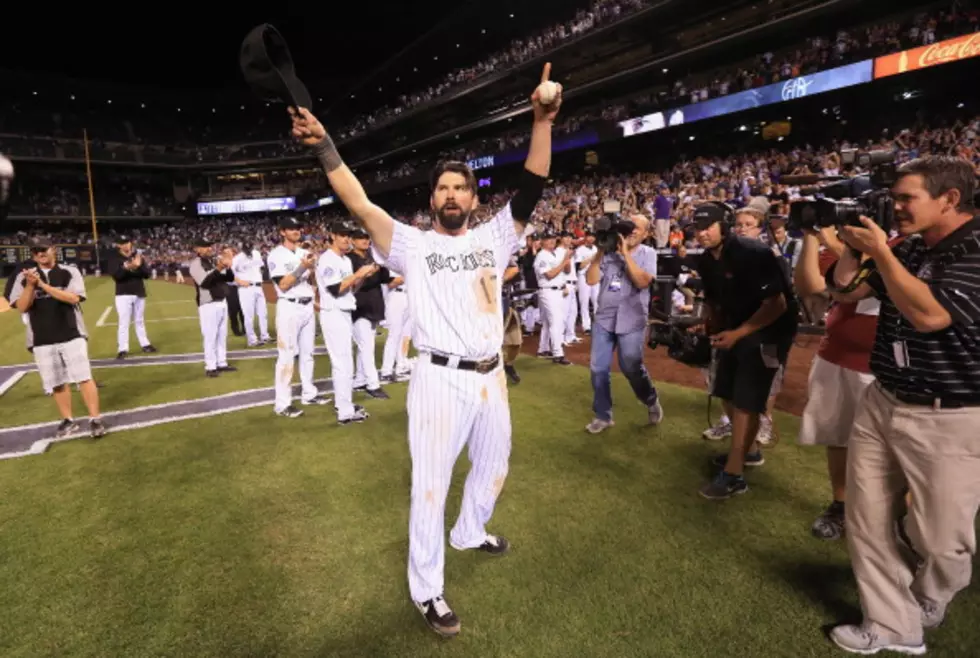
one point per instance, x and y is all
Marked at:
(690, 348)
(841, 200)
(610, 226)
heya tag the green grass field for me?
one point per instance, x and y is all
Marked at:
(249, 535)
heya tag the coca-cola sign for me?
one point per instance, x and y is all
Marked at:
(944, 52)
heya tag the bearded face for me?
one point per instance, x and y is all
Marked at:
(453, 201)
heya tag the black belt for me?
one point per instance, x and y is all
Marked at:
(302, 300)
(922, 400)
(398, 290)
(253, 285)
(482, 367)
(554, 288)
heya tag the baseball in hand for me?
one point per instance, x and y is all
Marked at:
(547, 92)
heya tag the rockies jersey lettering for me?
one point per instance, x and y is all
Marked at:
(454, 285)
(283, 261)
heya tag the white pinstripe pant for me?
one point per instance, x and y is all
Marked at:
(447, 409)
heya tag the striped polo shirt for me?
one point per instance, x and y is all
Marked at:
(944, 364)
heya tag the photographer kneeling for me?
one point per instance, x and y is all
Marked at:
(624, 279)
(752, 319)
(917, 425)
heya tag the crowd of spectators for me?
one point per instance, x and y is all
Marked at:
(573, 204)
(116, 195)
(187, 138)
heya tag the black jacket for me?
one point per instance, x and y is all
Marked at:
(128, 282)
(370, 298)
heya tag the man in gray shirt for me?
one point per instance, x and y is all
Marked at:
(624, 280)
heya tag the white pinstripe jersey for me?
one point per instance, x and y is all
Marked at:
(454, 285)
(281, 262)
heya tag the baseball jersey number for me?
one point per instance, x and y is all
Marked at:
(486, 291)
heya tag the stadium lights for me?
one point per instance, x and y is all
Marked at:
(109, 101)
(483, 31)
(143, 105)
(789, 118)
(73, 96)
(664, 70)
(34, 92)
(743, 128)
(960, 105)
(214, 111)
(691, 138)
(178, 109)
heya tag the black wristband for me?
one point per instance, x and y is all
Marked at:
(326, 152)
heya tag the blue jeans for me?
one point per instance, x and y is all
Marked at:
(630, 351)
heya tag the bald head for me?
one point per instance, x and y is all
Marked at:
(642, 229)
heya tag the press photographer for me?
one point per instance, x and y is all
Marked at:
(917, 425)
(623, 268)
(752, 319)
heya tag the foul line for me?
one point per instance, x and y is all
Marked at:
(40, 446)
(104, 317)
(11, 381)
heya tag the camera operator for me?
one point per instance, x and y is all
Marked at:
(917, 424)
(752, 317)
(551, 266)
(621, 318)
(840, 373)
(49, 296)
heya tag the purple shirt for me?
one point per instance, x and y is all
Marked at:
(661, 207)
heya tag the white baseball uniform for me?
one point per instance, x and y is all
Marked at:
(212, 312)
(571, 306)
(586, 294)
(395, 358)
(295, 326)
(248, 267)
(454, 301)
(335, 321)
(131, 310)
(551, 302)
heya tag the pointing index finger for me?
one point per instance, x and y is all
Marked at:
(546, 72)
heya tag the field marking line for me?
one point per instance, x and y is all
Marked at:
(104, 316)
(41, 446)
(11, 381)
(151, 321)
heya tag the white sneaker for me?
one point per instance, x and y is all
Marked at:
(718, 432)
(765, 430)
(866, 641)
(598, 425)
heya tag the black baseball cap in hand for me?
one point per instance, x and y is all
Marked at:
(268, 68)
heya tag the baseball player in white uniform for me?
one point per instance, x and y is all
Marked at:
(550, 266)
(586, 294)
(247, 267)
(458, 391)
(336, 281)
(394, 361)
(211, 276)
(571, 303)
(290, 268)
(129, 271)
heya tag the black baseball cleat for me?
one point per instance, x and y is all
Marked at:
(494, 545)
(97, 428)
(149, 349)
(122, 355)
(319, 400)
(227, 369)
(544, 355)
(210, 373)
(377, 393)
(290, 412)
(561, 361)
(512, 375)
(439, 616)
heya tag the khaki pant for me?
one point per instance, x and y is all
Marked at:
(936, 454)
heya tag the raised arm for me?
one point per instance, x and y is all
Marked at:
(538, 163)
(308, 131)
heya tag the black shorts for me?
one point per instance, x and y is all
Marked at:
(744, 374)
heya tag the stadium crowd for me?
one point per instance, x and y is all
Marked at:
(190, 138)
(573, 204)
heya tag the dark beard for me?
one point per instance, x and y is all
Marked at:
(452, 222)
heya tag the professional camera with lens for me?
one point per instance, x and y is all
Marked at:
(610, 226)
(841, 200)
(691, 349)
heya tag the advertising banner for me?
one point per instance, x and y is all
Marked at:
(944, 52)
(246, 205)
(800, 87)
